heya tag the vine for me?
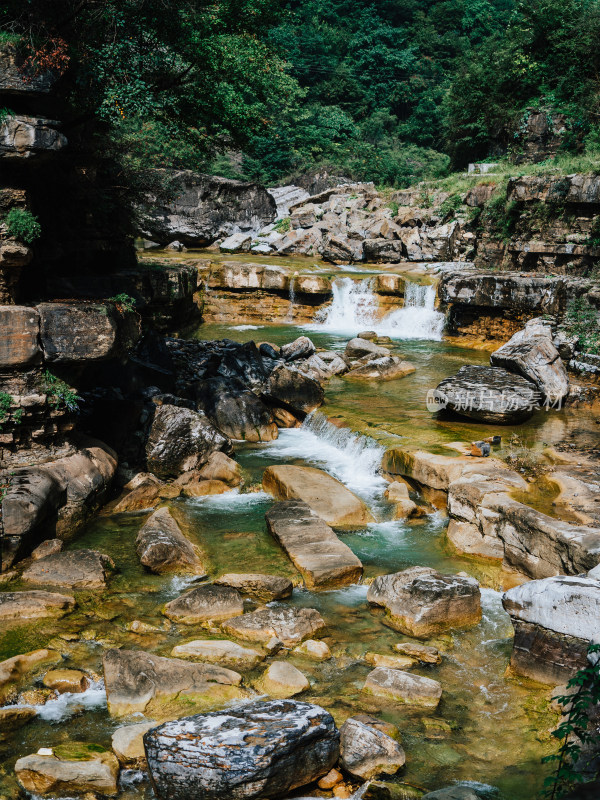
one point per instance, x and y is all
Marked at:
(60, 394)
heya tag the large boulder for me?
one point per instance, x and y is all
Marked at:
(326, 496)
(202, 208)
(236, 410)
(323, 560)
(532, 354)
(360, 347)
(162, 547)
(421, 602)
(19, 336)
(488, 394)
(290, 625)
(161, 687)
(261, 750)
(74, 569)
(204, 603)
(555, 620)
(181, 440)
(294, 390)
(366, 752)
(34, 605)
(403, 687)
(386, 368)
(25, 137)
(75, 768)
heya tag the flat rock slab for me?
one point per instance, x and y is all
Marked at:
(14, 717)
(204, 603)
(75, 569)
(13, 669)
(489, 394)
(323, 560)
(261, 750)
(366, 752)
(162, 547)
(290, 625)
(283, 679)
(261, 587)
(34, 604)
(330, 499)
(387, 368)
(219, 651)
(403, 687)
(421, 602)
(142, 682)
(89, 769)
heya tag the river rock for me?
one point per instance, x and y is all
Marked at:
(360, 347)
(386, 368)
(162, 547)
(422, 652)
(327, 497)
(302, 347)
(489, 394)
(48, 548)
(366, 752)
(142, 682)
(236, 410)
(282, 679)
(397, 493)
(34, 604)
(261, 587)
(204, 603)
(532, 354)
(181, 440)
(289, 625)
(13, 670)
(14, 717)
(236, 243)
(421, 602)
(66, 680)
(389, 661)
(75, 768)
(314, 549)
(143, 492)
(403, 687)
(74, 569)
(128, 743)
(261, 750)
(313, 648)
(554, 620)
(220, 467)
(292, 389)
(219, 651)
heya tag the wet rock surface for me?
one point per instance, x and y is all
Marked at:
(204, 603)
(261, 587)
(323, 560)
(366, 752)
(421, 602)
(142, 682)
(74, 569)
(260, 750)
(219, 651)
(290, 625)
(34, 604)
(162, 547)
(403, 687)
(72, 769)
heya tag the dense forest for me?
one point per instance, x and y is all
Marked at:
(266, 89)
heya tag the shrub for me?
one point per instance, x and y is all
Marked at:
(125, 302)
(7, 413)
(582, 321)
(450, 205)
(60, 394)
(23, 225)
(283, 225)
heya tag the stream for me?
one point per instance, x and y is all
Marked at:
(490, 728)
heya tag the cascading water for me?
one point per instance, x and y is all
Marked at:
(350, 457)
(355, 307)
(290, 313)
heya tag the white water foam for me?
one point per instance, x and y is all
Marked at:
(350, 457)
(355, 306)
(246, 327)
(234, 499)
(67, 704)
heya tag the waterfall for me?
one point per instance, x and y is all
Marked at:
(355, 306)
(350, 457)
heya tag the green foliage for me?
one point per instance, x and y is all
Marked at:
(575, 731)
(124, 301)
(23, 225)
(283, 225)
(7, 412)
(499, 216)
(5, 114)
(582, 320)
(394, 207)
(450, 205)
(60, 394)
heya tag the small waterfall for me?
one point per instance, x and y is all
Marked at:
(350, 457)
(290, 313)
(355, 306)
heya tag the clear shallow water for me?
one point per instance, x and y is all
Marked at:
(489, 728)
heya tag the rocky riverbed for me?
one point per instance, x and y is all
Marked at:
(307, 531)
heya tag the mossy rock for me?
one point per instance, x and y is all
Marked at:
(78, 751)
